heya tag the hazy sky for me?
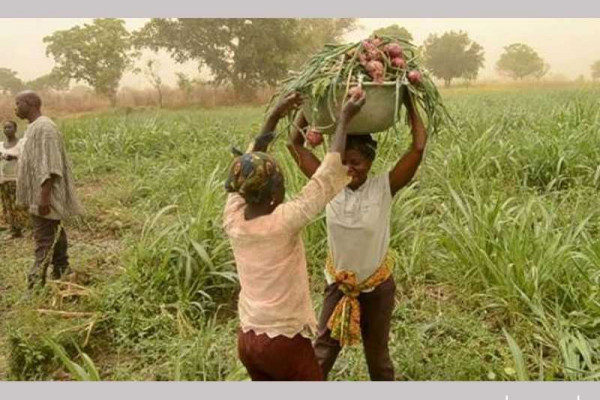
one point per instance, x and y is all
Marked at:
(570, 46)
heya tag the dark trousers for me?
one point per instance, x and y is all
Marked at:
(50, 248)
(279, 358)
(375, 319)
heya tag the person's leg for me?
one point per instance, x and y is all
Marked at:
(23, 217)
(14, 216)
(285, 359)
(327, 348)
(305, 366)
(5, 201)
(248, 345)
(375, 319)
(60, 259)
(279, 358)
(44, 232)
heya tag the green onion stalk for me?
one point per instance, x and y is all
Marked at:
(341, 66)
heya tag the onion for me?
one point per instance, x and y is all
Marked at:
(363, 59)
(375, 70)
(374, 55)
(414, 77)
(393, 50)
(314, 137)
(399, 62)
(355, 92)
(374, 67)
(368, 45)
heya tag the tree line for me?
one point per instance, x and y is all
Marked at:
(246, 54)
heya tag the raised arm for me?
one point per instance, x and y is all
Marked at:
(407, 166)
(351, 107)
(329, 178)
(306, 160)
(261, 143)
(267, 133)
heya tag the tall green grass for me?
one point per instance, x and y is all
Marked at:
(497, 254)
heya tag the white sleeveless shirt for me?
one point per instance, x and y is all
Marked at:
(8, 169)
(358, 227)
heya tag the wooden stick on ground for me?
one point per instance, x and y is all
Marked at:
(66, 314)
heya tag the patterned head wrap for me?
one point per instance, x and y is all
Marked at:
(253, 176)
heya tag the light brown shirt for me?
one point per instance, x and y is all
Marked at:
(43, 156)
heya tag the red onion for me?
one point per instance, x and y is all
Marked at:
(393, 50)
(374, 55)
(374, 67)
(414, 77)
(314, 137)
(363, 59)
(368, 45)
(355, 92)
(399, 62)
(375, 70)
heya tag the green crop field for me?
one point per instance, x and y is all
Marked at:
(499, 262)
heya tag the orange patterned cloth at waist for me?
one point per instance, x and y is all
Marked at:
(345, 319)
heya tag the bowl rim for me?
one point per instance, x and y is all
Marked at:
(370, 84)
(373, 84)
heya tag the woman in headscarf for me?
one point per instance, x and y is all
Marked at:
(359, 298)
(275, 310)
(10, 150)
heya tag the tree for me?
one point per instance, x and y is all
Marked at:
(394, 31)
(151, 72)
(185, 84)
(453, 55)
(520, 61)
(245, 53)
(10, 82)
(473, 61)
(51, 81)
(596, 70)
(97, 54)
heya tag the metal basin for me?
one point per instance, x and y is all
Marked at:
(378, 114)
